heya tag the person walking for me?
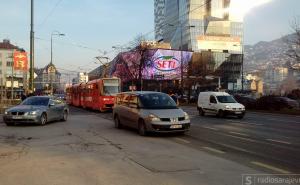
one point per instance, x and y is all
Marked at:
(23, 96)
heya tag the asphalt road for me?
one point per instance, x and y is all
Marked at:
(269, 141)
(87, 149)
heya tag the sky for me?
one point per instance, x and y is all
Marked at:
(94, 26)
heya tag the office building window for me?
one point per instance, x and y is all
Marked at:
(9, 64)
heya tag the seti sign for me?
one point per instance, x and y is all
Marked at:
(166, 63)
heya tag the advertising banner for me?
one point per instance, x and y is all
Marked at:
(156, 64)
(20, 61)
(166, 64)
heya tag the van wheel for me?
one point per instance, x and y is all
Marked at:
(201, 112)
(117, 122)
(9, 124)
(221, 114)
(142, 128)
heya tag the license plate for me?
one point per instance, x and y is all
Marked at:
(17, 117)
(238, 112)
(176, 126)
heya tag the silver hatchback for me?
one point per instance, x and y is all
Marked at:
(149, 111)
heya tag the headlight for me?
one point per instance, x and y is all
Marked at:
(186, 116)
(227, 107)
(32, 112)
(153, 117)
(105, 99)
(5, 112)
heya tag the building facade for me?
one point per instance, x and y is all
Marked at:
(159, 18)
(206, 27)
(8, 76)
(48, 80)
(80, 78)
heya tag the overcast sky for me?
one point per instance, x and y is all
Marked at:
(92, 25)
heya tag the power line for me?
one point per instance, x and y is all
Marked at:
(50, 13)
(175, 20)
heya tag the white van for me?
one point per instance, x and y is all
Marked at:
(220, 104)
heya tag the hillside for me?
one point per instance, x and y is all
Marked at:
(264, 54)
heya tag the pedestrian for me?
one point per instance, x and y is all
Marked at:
(23, 96)
(174, 97)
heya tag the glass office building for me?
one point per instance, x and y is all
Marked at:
(205, 27)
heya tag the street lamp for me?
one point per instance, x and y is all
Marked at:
(54, 33)
(181, 25)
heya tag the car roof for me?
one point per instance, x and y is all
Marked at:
(215, 93)
(40, 97)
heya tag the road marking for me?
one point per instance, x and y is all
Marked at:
(182, 140)
(272, 114)
(242, 138)
(214, 150)
(278, 141)
(245, 122)
(257, 124)
(193, 116)
(286, 121)
(270, 167)
(211, 128)
(241, 134)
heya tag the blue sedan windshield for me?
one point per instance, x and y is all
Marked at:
(42, 101)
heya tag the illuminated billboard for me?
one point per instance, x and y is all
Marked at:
(157, 63)
(166, 63)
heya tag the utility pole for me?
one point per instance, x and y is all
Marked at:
(31, 73)
(181, 56)
(12, 80)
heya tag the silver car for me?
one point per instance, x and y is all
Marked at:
(37, 109)
(149, 112)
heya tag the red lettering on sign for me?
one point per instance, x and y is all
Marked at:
(166, 65)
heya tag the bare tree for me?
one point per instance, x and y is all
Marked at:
(137, 41)
(294, 41)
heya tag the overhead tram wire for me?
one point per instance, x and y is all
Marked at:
(50, 13)
(124, 45)
(76, 45)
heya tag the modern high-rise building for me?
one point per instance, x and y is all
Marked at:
(159, 17)
(206, 27)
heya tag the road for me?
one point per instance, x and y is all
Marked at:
(87, 149)
(268, 141)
